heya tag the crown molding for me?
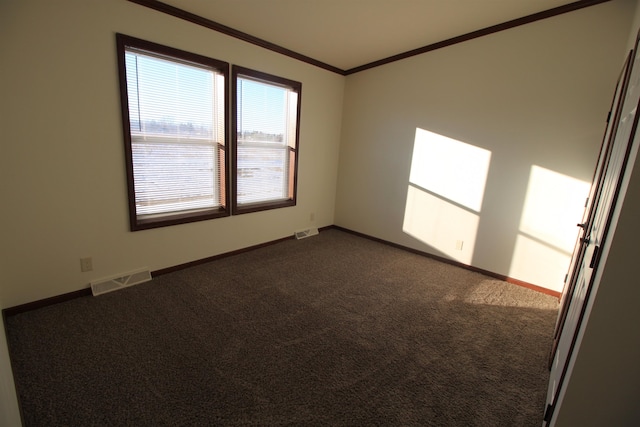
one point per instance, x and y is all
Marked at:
(215, 26)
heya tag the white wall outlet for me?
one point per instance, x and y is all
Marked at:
(86, 264)
(312, 216)
(459, 244)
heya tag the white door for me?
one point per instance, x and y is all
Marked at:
(594, 194)
(595, 233)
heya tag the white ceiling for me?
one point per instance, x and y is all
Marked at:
(350, 33)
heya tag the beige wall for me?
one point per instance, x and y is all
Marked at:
(604, 375)
(62, 157)
(531, 99)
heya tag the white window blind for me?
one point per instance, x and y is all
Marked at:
(266, 116)
(177, 125)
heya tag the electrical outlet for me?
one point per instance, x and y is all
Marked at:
(459, 244)
(312, 216)
(86, 264)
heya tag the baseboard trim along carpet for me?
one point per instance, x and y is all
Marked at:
(87, 291)
(456, 263)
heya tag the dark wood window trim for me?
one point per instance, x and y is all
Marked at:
(199, 20)
(236, 72)
(123, 43)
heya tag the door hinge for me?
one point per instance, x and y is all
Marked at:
(548, 413)
(566, 276)
(608, 116)
(595, 257)
(586, 202)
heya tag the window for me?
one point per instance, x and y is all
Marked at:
(173, 114)
(266, 129)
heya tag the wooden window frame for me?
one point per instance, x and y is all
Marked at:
(242, 72)
(139, 222)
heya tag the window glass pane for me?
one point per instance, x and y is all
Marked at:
(266, 136)
(174, 177)
(262, 113)
(176, 136)
(168, 98)
(262, 173)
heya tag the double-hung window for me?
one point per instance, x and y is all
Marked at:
(265, 139)
(174, 106)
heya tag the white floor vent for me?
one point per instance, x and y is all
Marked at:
(306, 233)
(110, 284)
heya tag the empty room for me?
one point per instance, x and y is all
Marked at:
(319, 212)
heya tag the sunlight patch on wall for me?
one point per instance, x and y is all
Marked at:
(554, 204)
(452, 169)
(444, 195)
(440, 224)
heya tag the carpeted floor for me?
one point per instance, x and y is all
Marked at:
(330, 330)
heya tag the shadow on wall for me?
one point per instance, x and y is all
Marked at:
(445, 195)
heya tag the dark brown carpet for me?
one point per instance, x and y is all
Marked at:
(330, 330)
